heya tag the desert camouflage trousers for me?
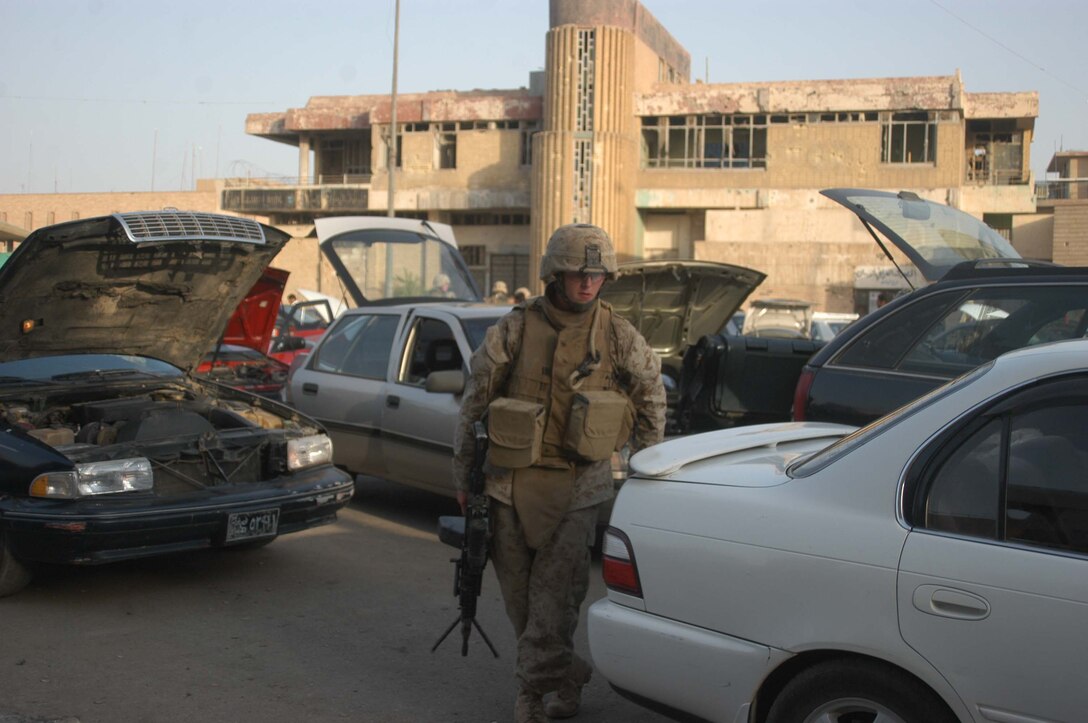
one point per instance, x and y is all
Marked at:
(543, 590)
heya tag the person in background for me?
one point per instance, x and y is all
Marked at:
(499, 294)
(564, 370)
(440, 287)
(522, 294)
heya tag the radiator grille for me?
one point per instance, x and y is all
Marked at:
(182, 225)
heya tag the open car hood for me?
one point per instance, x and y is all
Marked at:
(253, 320)
(159, 284)
(382, 260)
(935, 237)
(676, 303)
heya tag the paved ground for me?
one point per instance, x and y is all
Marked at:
(331, 624)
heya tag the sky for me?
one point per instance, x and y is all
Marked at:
(142, 95)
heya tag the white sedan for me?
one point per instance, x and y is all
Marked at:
(930, 567)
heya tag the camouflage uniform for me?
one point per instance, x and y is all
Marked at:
(544, 588)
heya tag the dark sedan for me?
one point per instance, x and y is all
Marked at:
(110, 448)
(982, 301)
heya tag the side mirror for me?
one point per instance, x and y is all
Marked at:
(449, 381)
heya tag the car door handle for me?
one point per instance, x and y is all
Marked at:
(950, 603)
(309, 388)
(392, 401)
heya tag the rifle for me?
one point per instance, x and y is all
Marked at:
(470, 533)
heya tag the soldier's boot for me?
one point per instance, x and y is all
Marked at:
(567, 700)
(529, 707)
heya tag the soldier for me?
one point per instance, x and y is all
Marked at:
(564, 382)
(499, 294)
(521, 294)
(440, 287)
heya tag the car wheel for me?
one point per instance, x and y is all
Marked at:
(857, 691)
(14, 575)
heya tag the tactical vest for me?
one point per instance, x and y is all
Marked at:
(546, 372)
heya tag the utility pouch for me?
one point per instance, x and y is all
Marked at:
(515, 430)
(600, 423)
(541, 498)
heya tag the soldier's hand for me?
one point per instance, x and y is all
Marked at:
(462, 500)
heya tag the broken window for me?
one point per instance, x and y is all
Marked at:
(705, 141)
(995, 152)
(343, 160)
(447, 150)
(909, 138)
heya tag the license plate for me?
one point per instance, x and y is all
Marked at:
(251, 525)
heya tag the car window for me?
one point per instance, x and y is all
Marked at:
(991, 322)
(947, 334)
(358, 346)
(1020, 478)
(885, 343)
(476, 329)
(431, 348)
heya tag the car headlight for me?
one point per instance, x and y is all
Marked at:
(309, 451)
(95, 478)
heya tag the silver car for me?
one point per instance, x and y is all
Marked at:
(932, 566)
(386, 382)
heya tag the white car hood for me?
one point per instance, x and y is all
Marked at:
(757, 455)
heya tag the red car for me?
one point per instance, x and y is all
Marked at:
(239, 359)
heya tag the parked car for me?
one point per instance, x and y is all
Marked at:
(298, 328)
(982, 300)
(239, 358)
(826, 325)
(386, 377)
(778, 319)
(928, 567)
(674, 304)
(111, 448)
(386, 382)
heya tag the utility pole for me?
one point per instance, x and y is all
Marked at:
(391, 147)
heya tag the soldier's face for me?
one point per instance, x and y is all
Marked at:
(582, 288)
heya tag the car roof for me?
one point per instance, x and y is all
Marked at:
(460, 309)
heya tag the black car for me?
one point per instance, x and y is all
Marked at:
(110, 448)
(982, 300)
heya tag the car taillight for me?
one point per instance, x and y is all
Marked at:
(800, 393)
(618, 564)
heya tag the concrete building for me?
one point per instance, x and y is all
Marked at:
(614, 132)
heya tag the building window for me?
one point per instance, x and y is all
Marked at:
(995, 152)
(343, 160)
(909, 138)
(447, 150)
(475, 257)
(528, 129)
(583, 180)
(460, 218)
(587, 54)
(704, 141)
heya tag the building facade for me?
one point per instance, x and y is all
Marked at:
(614, 132)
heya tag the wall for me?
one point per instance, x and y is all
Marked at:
(1071, 234)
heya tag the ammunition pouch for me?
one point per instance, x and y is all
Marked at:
(515, 429)
(600, 423)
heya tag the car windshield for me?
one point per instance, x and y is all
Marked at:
(82, 366)
(818, 460)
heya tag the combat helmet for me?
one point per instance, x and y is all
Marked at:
(578, 247)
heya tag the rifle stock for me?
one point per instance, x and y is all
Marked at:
(468, 574)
